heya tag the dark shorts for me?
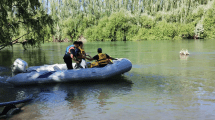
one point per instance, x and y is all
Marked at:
(68, 62)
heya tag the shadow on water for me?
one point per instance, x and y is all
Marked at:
(116, 84)
(63, 98)
(120, 81)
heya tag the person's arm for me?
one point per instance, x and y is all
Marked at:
(81, 56)
(110, 57)
(113, 58)
(85, 56)
(88, 55)
(75, 60)
(90, 59)
(72, 53)
(94, 58)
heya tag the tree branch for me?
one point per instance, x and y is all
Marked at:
(13, 42)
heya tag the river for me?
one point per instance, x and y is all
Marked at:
(161, 84)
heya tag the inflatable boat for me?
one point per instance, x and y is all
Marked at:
(60, 73)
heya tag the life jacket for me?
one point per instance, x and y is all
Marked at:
(94, 64)
(68, 49)
(103, 60)
(82, 52)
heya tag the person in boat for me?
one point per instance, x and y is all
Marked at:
(102, 59)
(70, 55)
(80, 51)
(80, 54)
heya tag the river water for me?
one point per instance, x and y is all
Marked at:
(161, 84)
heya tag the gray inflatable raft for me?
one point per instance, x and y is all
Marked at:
(58, 73)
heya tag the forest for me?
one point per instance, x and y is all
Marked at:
(32, 22)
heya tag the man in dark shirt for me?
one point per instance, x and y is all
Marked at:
(70, 55)
(101, 59)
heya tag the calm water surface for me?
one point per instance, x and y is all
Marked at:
(161, 85)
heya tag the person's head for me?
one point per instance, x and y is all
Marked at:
(80, 43)
(99, 50)
(76, 44)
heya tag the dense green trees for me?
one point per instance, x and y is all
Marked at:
(105, 20)
(209, 23)
(22, 21)
(120, 20)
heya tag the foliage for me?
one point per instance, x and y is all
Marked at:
(209, 23)
(24, 18)
(149, 20)
(106, 20)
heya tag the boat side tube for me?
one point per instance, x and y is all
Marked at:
(118, 67)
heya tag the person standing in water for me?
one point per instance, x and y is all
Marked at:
(70, 55)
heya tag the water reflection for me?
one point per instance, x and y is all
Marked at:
(6, 58)
(71, 100)
(4, 73)
(32, 56)
(183, 57)
(166, 85)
